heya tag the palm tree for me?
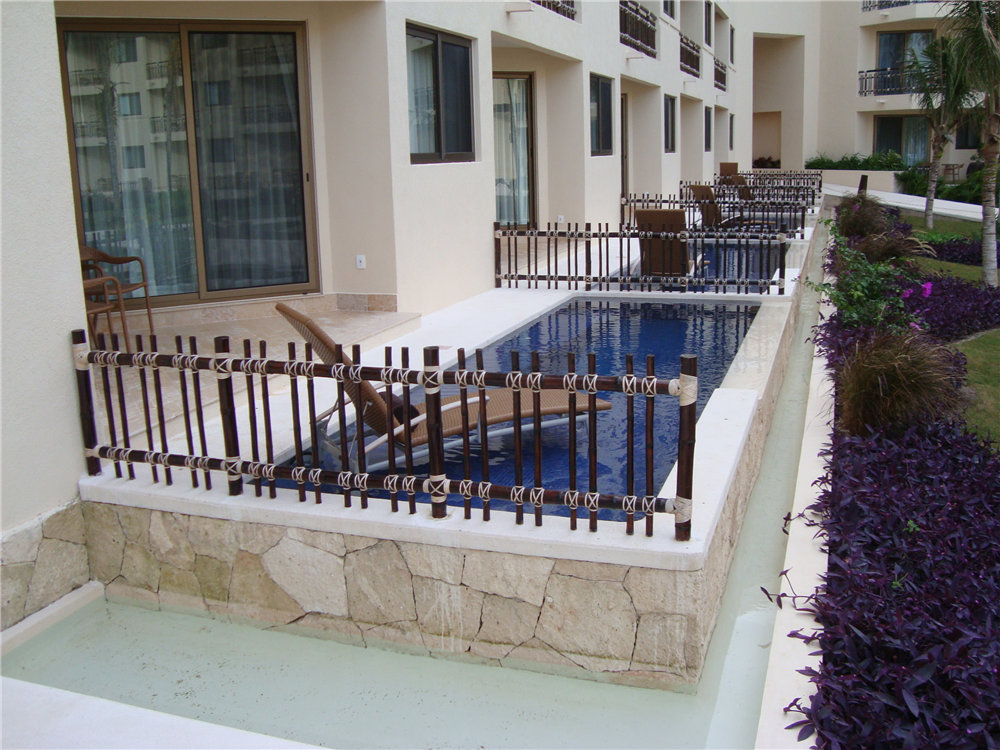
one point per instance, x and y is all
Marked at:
(943, 92)
(975, 27)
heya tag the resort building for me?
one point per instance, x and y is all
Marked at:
(354, 156)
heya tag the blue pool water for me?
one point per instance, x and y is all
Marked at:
(611, 330)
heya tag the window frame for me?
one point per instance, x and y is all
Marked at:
(670, 8)
(732, 45)
(709, 21)
(709, 115)
(441, 156)
(967, 138)
(595, 149)
(732, 129)
(669, 124)
(184, 27)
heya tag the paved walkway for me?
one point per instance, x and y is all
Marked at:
(951, 209)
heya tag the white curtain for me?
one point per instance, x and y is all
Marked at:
(511, 150)
(916, 137)
(422, 94)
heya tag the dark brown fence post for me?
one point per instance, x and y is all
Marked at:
(87, 423)
(782, 253)
(586, 253)
(685, 446)
(497, 252)
(435, 435)
(227, 410)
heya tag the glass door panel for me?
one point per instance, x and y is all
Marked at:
(247, 130)
(513, 150)
(130, 142)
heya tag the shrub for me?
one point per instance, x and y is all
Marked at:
(882, 162)
(867, 294)
(895, 379)
(888, 247)
(910, 607)
(766, 162)
(860, 216)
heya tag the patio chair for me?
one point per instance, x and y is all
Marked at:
(711, 213)
(371, 406)
(103, 294)
(90, 257)
(663, 257)
(727, 171)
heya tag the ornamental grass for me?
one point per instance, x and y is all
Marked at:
(861, 216)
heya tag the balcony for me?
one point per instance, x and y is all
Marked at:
(268, 114)
(269, 55)
(690, 57)
(883, 81)
(867, 5)
(91, 77)
(92, 129)
(156, 70)
(565, 8)
(159, 124)
(720, 74)
(637, 26)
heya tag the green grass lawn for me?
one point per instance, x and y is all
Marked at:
(972, 274)
(943, 224)
(983, 354)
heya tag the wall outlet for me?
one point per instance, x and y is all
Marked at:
(559, 219)
(360, 259)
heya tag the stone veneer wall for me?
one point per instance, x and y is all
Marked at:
(609, 622)
(41, 561)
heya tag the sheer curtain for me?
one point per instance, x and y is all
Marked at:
(249, 159)
(422, 87)
(511, 150)
(916, 135)
(132, 166)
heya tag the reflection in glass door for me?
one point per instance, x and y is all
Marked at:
(513, 149)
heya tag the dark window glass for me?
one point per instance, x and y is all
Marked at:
(895, 48)
(456, 97)
(439, 85)
(732, 44)
(709, 20)
(668, 8)
(889, 134)
(669, 124)
(967, 137)
(732, 130)
(600, 116)
(129, 105)
(222, 149)
(218, 93)
(124, 50)
(214, 41)
(708, 128)
(133, 157)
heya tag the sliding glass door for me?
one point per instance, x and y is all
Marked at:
(513, 149)
(190, 152)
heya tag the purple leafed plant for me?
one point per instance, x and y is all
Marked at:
(950, 308)
(910, 608)
(967, 251)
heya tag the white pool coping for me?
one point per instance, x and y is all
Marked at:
(478, 321)
(951, 209)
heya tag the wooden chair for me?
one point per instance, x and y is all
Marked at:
(90, 257)
(727, 171)
(662, 257)
(103, 294)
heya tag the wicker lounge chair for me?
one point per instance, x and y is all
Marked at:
(371, 404)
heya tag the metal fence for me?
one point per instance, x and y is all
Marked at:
(637, 27)
(349, 443)
(728, 212)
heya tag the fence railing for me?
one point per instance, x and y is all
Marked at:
(637, 27)
(868, 5)
(157, 69)
(92, 129)
(89, 77)
(690, 56)
(884, 81)
(356, 472)
(176, 123)
(729, 211)
(720, 74)
(565, 8)
(762, 177)
(641, 259)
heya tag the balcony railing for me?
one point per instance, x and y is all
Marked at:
(270, 55)
(884, 81)
(90, 77)
(720, 74)
(271, 113)
(92, 129)
(637, 26)
(867, 5)
(690, 56)
(159, 124)
(157, 69)
(562, 7)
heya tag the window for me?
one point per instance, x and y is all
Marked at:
(669, 9)
(732, 44)
(907, 136)
(669, 124)
(439, 80)
(129, 105)
(708, 128)
(600, 116)
(133, 157)
(248, 229)
(709, 20)
(217, 93)
(967, 137)
(124, 50)
(895, 48)
(732, 130)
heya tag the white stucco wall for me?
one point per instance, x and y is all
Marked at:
(42, 297)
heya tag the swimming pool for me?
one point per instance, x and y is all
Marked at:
(610, 329)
